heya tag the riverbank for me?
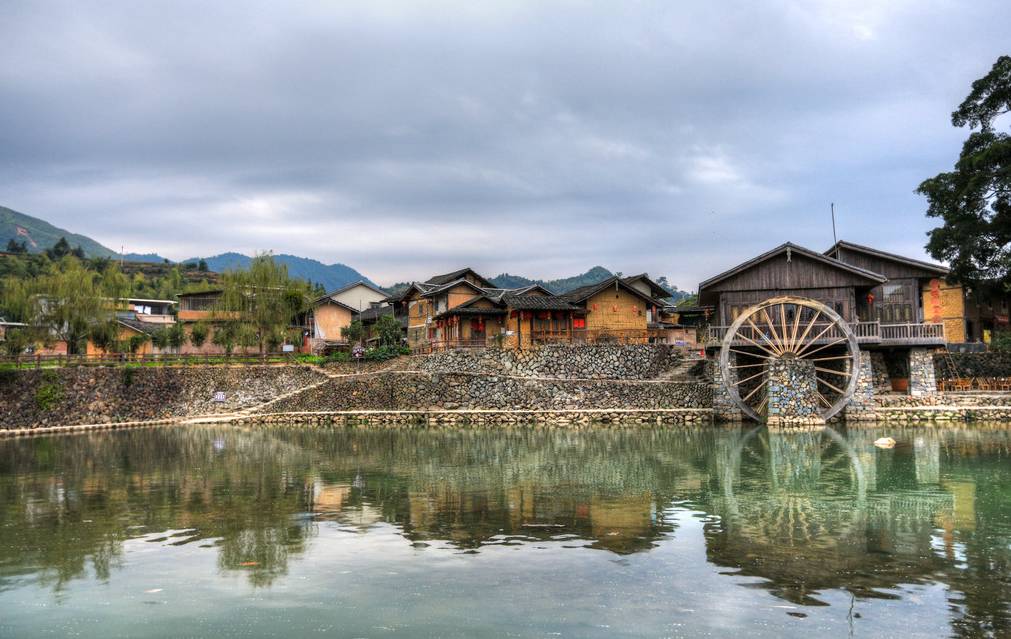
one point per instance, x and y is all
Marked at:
(570, 385)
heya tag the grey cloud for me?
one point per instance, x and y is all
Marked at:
(539, 138)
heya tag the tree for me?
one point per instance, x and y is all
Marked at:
(226, 336)
(202, 266)
(388, 331)
(262, 301)
(354, 332)
(18, 248)
(974, 199)
(198, 334)
(59, 250)
(67, 303)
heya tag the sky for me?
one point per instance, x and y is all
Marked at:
(536, 138)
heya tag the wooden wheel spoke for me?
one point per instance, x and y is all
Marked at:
(816, 338)
(734, 350)
(796, 327)
(831, 371)
(833, 387)
(782, 325)
(772, 327)
(748, 379)
(767, 340)
(755, 390)
(759, 346)
(810, 325)
(827, 403)
(829, 345)
(825, 359)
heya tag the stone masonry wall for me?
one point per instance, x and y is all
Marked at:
(988, 364)
(793, 392)
(34, 398)
(417, 390)
(569, 361)
(922, 378)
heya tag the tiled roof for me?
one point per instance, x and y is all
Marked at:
(537, 302)
(456, 275)
(370, 314)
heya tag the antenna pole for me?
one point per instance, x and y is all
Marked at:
(835, 240)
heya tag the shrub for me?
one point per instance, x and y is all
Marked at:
(128, 374)
(50, 392)
(198, 334)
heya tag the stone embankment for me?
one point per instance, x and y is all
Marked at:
(412, 390)
(69, 396)
(563, 361)
(559, 384)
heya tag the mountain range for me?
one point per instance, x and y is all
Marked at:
(38, 235)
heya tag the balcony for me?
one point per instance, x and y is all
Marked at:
(869, 333)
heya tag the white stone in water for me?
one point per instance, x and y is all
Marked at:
(884, 442)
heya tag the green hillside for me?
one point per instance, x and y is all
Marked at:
(38, 235)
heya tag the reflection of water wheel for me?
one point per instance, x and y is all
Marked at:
(789, 328)
(811, 477)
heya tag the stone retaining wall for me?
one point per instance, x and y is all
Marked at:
(988, 364)
(68, 396)
(467, 391)
(579, 361)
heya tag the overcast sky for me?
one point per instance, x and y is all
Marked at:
(541, 138)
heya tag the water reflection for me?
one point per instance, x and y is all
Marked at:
(805, 513)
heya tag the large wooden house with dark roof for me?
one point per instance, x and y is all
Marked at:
(882, 311)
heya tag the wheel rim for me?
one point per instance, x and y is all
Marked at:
(789, 328)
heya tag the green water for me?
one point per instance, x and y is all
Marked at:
(291, 532)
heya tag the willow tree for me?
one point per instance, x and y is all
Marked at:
(259, 304)
(68, 303)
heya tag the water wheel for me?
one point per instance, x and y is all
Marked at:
(789, 328)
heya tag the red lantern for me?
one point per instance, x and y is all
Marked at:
(870, 299)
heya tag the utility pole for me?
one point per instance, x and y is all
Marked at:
(835, 240)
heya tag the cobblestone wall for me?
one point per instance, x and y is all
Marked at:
(33, 398)
(989, 364)
(468, 391)
(570, 361)
(792, 389)
(922, 378)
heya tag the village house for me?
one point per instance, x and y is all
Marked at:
(620, 309)
(323, 324)
(463, 308)
(360, 295)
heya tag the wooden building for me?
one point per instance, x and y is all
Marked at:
(883, 308)
(463, 308)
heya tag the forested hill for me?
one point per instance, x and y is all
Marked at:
(38, 235)
(562, 285)
(330, 276)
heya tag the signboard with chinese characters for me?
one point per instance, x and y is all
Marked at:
(219, 396)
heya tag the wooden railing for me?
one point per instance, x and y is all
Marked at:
(866, 332)
(913, 333)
